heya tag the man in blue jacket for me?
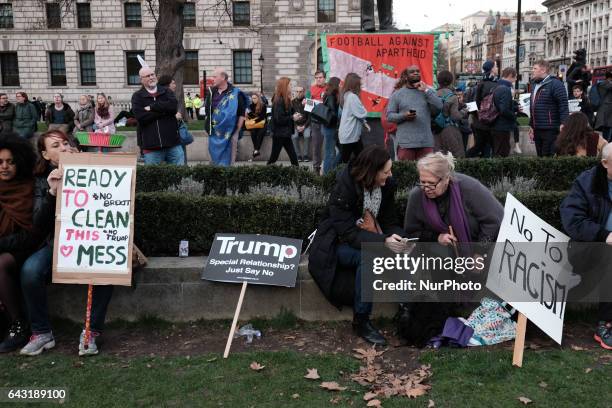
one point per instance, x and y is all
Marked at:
(586, 215)
(505, 123)
(549, 108)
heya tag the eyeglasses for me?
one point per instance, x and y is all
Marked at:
(429, 186)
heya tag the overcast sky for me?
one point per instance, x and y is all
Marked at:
(424, 15)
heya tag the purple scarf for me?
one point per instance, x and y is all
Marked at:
(457, 216)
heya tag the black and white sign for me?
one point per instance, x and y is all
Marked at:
(256, 259)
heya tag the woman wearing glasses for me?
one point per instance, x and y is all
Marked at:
(450, 208)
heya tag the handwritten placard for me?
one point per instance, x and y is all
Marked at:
(95, 219)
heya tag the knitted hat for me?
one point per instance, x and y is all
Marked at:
(488, 66)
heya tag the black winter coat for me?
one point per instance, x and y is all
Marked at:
(339, 224)
(282, 119)
(158, 127)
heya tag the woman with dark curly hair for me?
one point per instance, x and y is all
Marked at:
(578, 138)
(17, 239)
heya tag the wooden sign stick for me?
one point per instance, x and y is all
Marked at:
(236, 314)
(519, 341)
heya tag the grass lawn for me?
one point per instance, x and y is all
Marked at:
(461, 378)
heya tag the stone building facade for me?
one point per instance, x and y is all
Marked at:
(91, 46)
(533, 44)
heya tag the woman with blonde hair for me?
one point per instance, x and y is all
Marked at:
(104, 117)
(282, 122)
(84, 116)
(449, 207)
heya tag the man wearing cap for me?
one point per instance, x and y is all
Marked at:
(482, 132)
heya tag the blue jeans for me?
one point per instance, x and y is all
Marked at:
(170, 155)
(330, 160)
(36, 274)
(351, 257)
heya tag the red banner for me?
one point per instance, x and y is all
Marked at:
(379, 60)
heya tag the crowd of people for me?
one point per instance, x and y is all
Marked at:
(325, 124)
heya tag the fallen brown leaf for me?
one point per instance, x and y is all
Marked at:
(335, 400)
(255, 366)
(525, 400)
(543, 384)
(431, 404)
(374, 403)
(588, 370)
(577, 348)
(312, 374)
(332, 386)
(415, 392)
(295, 396)
(370, 395)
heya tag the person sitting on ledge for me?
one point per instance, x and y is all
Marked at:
(362, 201)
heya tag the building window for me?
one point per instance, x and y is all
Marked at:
(243, 67)
(191, 71)
(326, 11)
(241, 12)
(189, 15)
(6, 15)
(87, 63)
(57, 64)
(83, 15)
(54, 19)
(133, 15)
(9, 68)
(133, 66)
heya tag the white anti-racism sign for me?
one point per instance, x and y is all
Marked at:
(530, 269)
(94, 222)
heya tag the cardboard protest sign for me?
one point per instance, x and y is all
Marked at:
(525, 103)
(530, 269)
(574, 105)
(94, 224)
(379, 59)
(256, 259)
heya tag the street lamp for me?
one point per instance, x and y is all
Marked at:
(461, 65)
(566, 29)
(261, 61)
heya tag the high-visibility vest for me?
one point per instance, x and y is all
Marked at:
(197, 102)
(188, 102)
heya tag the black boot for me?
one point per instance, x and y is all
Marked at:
(364, 329)
(16, 338)
(385, 15)
(367, 16)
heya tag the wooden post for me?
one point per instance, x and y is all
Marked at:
(235, 321)
(88, 317)
(519, 341)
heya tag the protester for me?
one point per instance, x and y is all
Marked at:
(25, 121)
(585, 103)
(603, 122)
(302, 125)
(317, 93)
(445, 198)
(362, 201)
(578, 138)
(586, 215)
(36, 271)
(503, 126)
(155, 108)
(225, 115)
(17, 239)
(84, 116)
(482, 131)
(353, 118)
(104, 116)
(43, 109)
(282, 122)
(37, 105)
(189, 105)
(549, 108)
(330, 133)
(448, 136)
(59, 115)
(412, 106)
(578, 73)
(7, 114)
(257, 112)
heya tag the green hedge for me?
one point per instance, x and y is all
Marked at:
(164, 219)
(554, 174)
